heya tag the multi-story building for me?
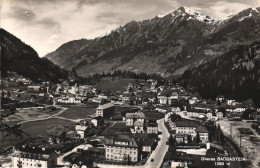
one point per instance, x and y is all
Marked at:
(97, 121)
(123, 148)
(81, 128)
(152, 128)
(203, 133)
(138, 127)
(219, 115)
(189, 127)
(130, 118)
(105, 110)
(162, 99)
(31, 157)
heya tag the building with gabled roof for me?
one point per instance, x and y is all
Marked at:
(32, 157)
(132, 117)
(190, 127)
(105, 110)
(122, 148)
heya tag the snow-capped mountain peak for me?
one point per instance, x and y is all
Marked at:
(192, 14)
(247, 13)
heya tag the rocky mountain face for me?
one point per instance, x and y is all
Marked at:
(235, 75)
(167, 45)
(21, 58)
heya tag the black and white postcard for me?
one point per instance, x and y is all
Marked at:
(130, 84)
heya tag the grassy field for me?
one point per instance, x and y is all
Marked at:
(78, 112)
(30, 114)
(35, 129)
(118, 84)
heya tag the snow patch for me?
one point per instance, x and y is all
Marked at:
(196, 15)
(160, 16)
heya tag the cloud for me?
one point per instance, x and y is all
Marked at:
(220, 9)
(223, 9)
(48, 23)
(20, 14)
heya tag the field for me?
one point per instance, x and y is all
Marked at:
(30, 114)
(41, 127)
(78, 112)
(118, 84)
(36, 129)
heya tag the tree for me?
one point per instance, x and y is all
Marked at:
(170, 140)
(8, 94)
(198, 138)
(2, 94)
(9, 130)
(189, 138)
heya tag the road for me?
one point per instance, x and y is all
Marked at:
(157, 155)
(161, 149)
(60, 160)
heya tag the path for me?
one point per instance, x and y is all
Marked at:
(40, 119)
(60, 160)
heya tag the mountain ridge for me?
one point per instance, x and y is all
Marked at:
(23, 59)
(165, 45)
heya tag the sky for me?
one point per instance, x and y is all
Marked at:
(47, 24)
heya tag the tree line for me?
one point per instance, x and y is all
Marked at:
(234, 75)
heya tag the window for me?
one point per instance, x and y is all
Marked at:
(107, 155)
(107, 150)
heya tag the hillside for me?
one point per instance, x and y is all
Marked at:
(21, 58)
(235, 75)
(165, 45)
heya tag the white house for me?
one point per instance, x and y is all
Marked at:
(130, 118)
(31, 157)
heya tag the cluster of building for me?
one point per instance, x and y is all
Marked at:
(184, 116)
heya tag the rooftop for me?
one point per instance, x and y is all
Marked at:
(123, 138)
(201, 129)
(104, 106)
(135, 115)
(186, 123)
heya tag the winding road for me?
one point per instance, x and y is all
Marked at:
(157, 155)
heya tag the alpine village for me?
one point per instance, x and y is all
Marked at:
(175, 91)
